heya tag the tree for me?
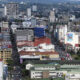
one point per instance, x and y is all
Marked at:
(10, 63)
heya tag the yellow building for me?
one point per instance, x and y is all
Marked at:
(5, 54)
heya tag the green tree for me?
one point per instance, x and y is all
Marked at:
(10, 64)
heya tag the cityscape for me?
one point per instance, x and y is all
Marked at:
(39, 40)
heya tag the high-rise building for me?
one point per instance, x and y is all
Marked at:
(34, 8)
(12, 10)
(29, 12)
(5, 11)
(52, 16)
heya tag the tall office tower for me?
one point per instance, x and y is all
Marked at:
(52, 16)
(29, 12)
(34, 8)
(5, 11)
(12, 10)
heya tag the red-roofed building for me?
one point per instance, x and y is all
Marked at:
(1, 60)
(77, 45)
(39, 55)
(36, 42)
(25, 43)
(42, 40)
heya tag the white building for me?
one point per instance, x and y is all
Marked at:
(5, 11)
(62, 31)
(72, 77)
(5, 25)
(72, 38)
(52, 16)
(14, 27)
(34, 8)
(72, 17)
(67, 37)
(26, 48)
(1, 70)
(26, 24)
(29, 12)
(28, 66)
(45, 47)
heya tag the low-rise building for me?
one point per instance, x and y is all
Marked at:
(72, 77)
(24, 35)
(54, 70)
(37, 55)
(5, 54)
(40, 71)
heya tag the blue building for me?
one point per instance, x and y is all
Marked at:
(39, 32)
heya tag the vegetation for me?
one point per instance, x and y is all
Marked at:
(76, 56)
(10, 64)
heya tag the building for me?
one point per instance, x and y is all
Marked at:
(1, 11)
(41, 47)
(12, 10)
(24, 34)
(1, 69)
(33, 22)
(5, 24)
(42, 40)
(5, 11)
(25, 43)
(72, 39)
(54, 70)
(14, 27)
(39, 32)
(43, 71)
(27, 24)
(52, 16)
(60, 32)
(34, 8)
(29, 12)
(72, 77)
(46, 47)
(5, 54)
(37, 55)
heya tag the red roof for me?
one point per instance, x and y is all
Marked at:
(0, 59)
(77, 45)
(25, 43)
(9, 46)
(68, 44)
(42, 40)
(36, 42)
(36, 53)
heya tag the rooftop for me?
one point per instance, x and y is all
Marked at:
(36, 53)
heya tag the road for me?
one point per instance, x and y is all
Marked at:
(16, 73)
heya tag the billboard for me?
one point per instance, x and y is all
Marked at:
(69, 37)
